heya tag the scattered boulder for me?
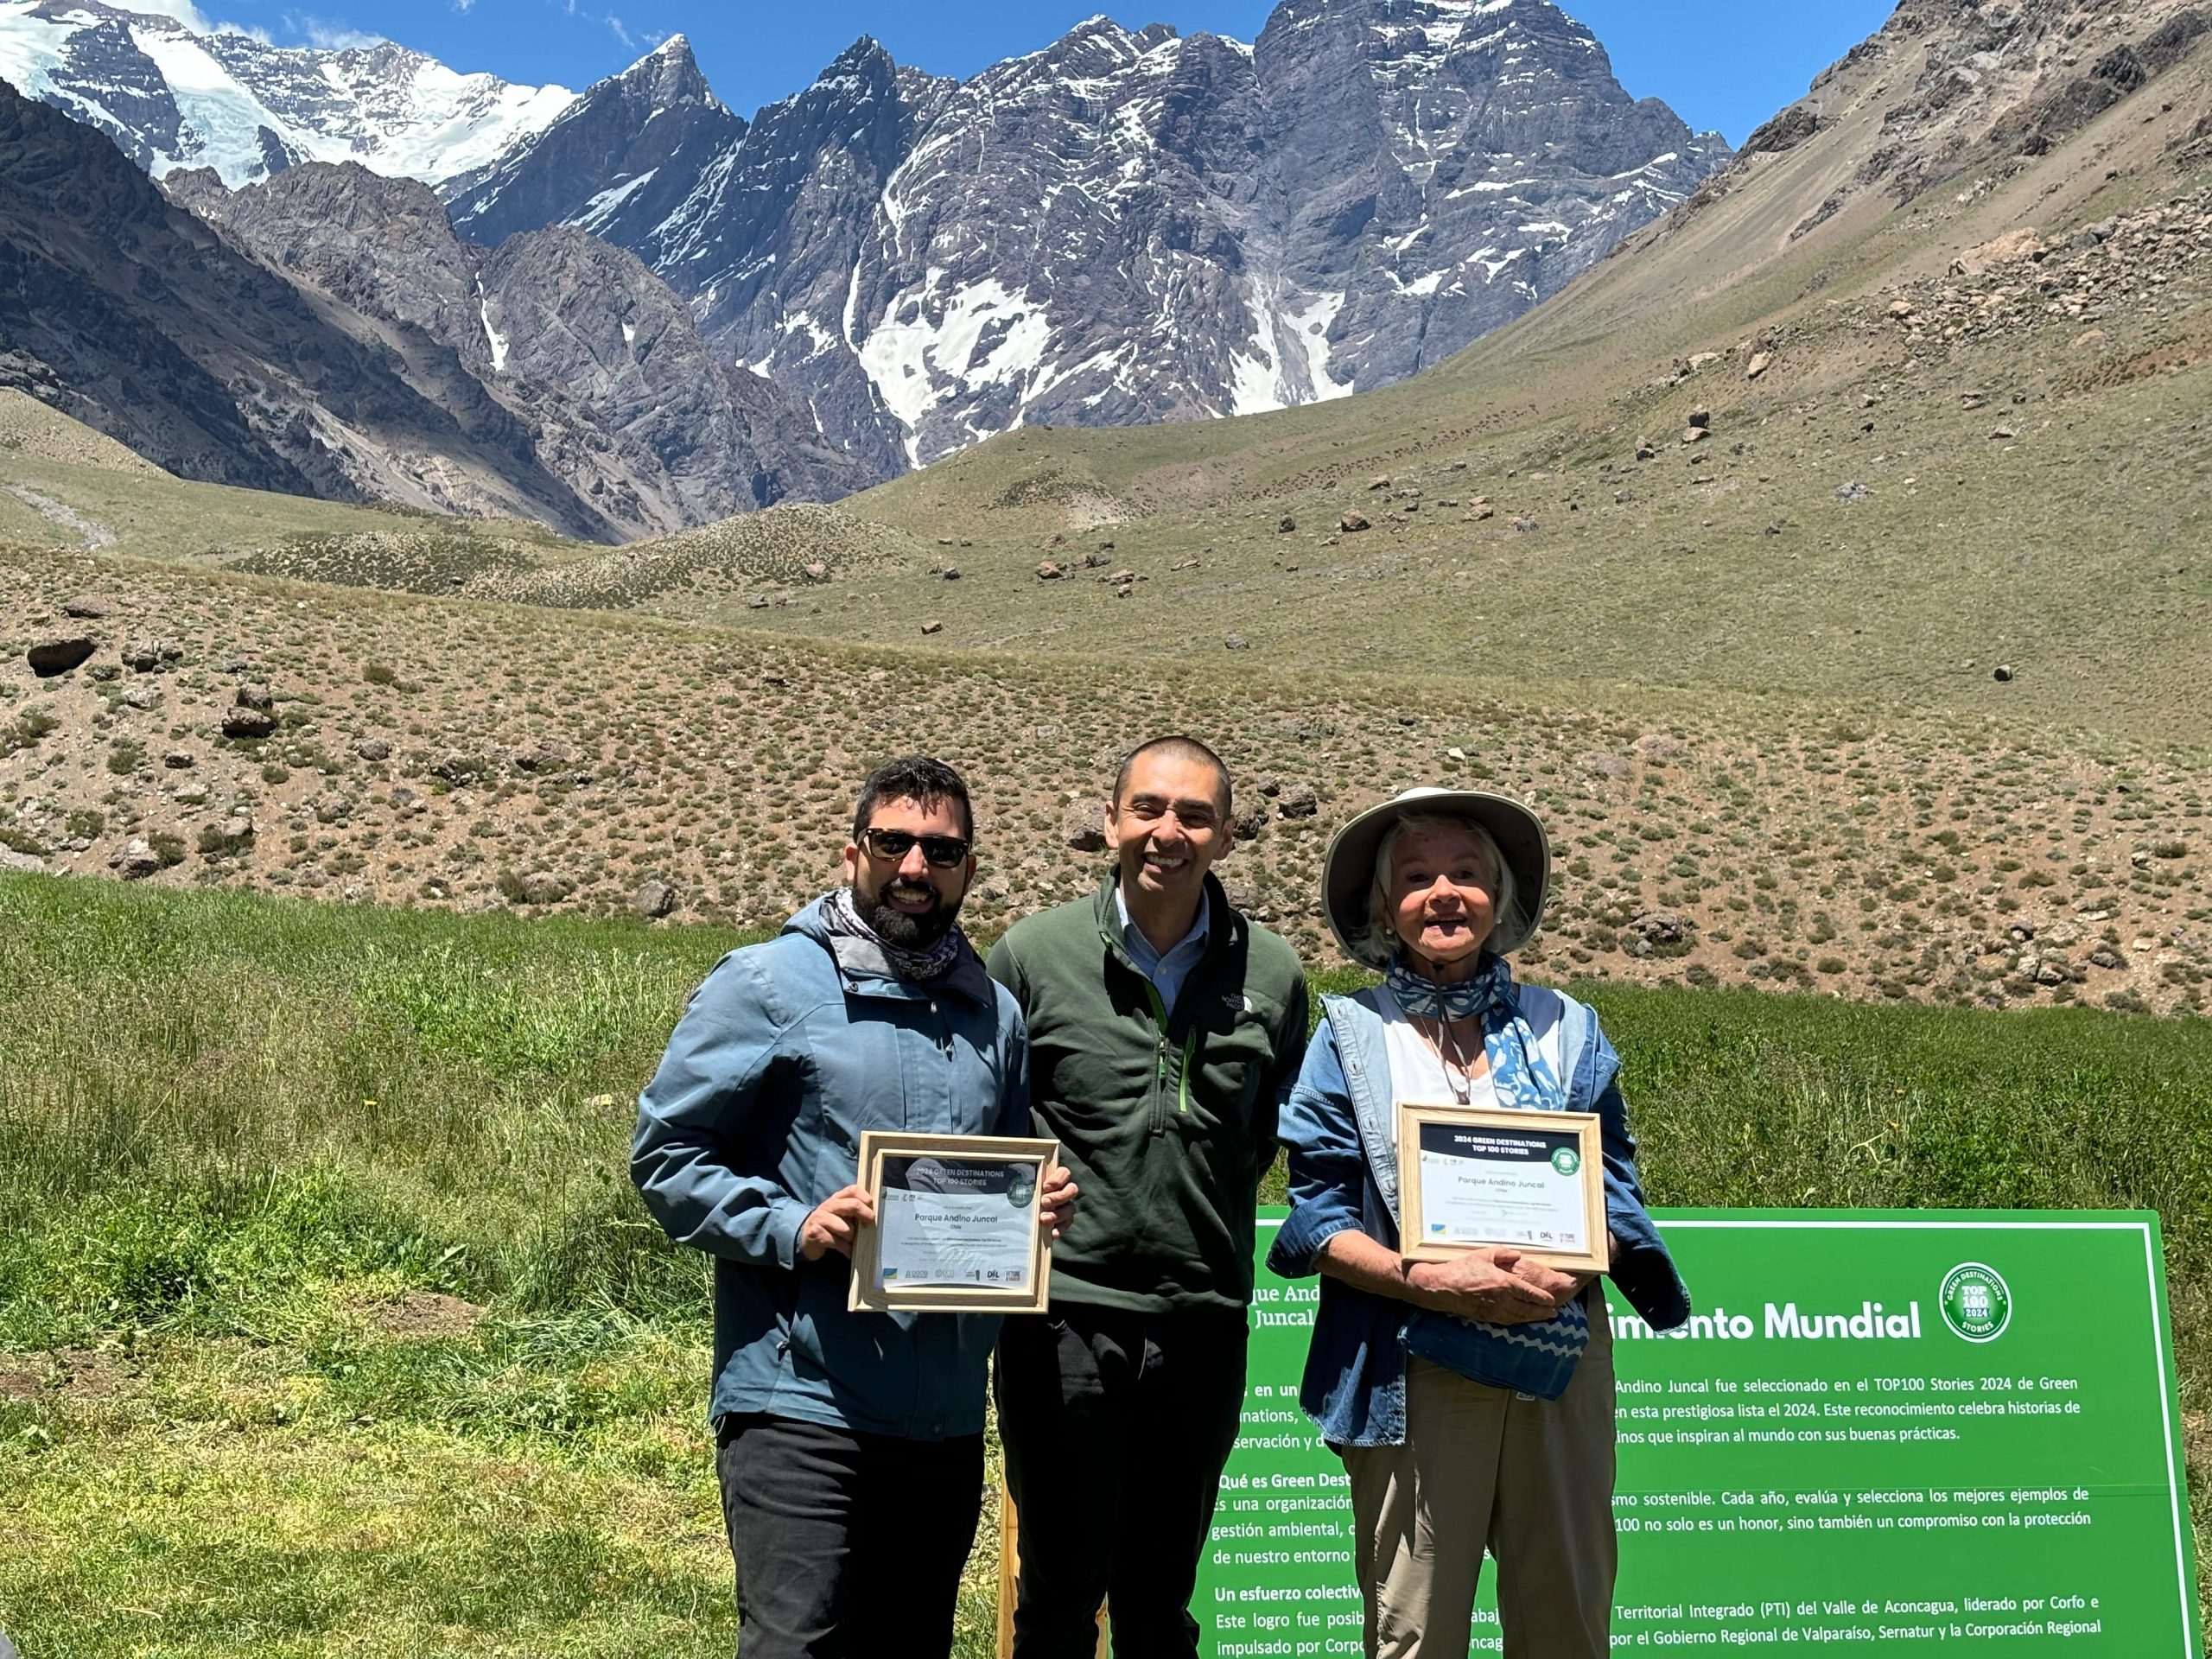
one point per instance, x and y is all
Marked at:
(12, 860)
(248, 723)
(152, 656)
(257, 697)
(1299, 801)
(1083, 827)
(136, 861)
(1248, 823)
(1853, 491)
(1351, 522)
(1047, 571)
(1760, 363)
(1526, 526)
(2002, 673)
(142, 696)
(1235, 642)
(816, 572)
(1658, 933)
(545, 887)
(1696, 434)
(374, 750)
(952, 573)
(179, 761)
(58, 653)
(2023, 244)
(458, 768)
(655, 900)
(2107, 957)
(1701, 420)
(1285, 525)
(1382, 483)
(1644, 451)
(932, 627)
(85, 610)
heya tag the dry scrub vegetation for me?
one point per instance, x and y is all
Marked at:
(477, 756)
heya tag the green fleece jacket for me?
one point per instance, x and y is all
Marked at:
(1166, 1119)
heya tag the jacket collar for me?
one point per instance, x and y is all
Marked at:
(1222, 919)
(866, 971)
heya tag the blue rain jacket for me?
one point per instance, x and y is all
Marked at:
(786, 1053)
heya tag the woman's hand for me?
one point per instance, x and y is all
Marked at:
(1497, 1286)
(1056, 1204)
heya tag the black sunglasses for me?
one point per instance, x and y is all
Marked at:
(891, 846)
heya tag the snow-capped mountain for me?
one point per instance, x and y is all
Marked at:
(1126, 226)
(174, 90)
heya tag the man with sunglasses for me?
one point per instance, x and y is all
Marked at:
(1165, 1030)
(850, 1445)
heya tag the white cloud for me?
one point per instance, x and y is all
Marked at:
(328, 35)
(620, 33)
(464, 7)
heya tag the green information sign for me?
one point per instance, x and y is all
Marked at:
(1910, 1427)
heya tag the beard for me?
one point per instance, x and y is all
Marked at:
(909, 933)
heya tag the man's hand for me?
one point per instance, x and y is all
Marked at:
(1498, 1286)
(833, 1224)
(1056, 1202)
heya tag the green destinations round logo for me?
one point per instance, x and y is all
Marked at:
(1975, 1303)
(1021, 1187)
(1566, 1161)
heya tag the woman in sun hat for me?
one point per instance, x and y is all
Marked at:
(1471, 1401)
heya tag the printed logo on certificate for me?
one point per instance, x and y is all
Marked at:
(955, 1227)
(1472, 1178)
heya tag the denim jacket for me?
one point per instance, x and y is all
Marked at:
(787, 1053)
(1339, 1126)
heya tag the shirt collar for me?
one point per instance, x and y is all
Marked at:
(1133, 936)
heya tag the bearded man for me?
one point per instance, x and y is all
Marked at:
(850, 1444)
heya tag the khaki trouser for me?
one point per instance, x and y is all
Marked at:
(1530, 1479)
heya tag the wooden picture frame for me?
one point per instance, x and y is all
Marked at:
(1554, 1134)
(880, 1151)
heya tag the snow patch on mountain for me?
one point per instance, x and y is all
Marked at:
(175, 91)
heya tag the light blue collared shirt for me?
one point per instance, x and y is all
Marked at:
(1166, 970)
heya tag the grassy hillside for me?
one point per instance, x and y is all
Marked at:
(328, 1321)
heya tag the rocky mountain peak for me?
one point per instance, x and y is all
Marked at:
(173, 92)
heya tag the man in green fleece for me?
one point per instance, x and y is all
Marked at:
(1165, 1030)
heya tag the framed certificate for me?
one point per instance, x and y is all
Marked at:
(956, 1227)
(1471, 1176)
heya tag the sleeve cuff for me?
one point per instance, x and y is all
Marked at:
(1297, 1249)
(786, 1217)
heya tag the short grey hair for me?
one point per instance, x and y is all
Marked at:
(1383, 939)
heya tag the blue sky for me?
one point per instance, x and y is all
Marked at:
(1724, 63)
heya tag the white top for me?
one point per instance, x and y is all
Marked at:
(1417, 1074)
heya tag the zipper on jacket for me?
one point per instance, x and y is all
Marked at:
(1163, 1047)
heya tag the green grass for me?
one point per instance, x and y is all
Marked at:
(252, 1145)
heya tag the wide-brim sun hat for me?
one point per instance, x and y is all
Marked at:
(1347, 868)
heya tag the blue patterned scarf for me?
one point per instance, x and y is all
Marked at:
(1538, 1359)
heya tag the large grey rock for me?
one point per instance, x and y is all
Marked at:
(59, 653)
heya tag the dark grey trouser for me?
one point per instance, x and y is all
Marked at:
(1117, 1427)
(847, 1545)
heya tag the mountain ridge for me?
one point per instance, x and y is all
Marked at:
(1124, 227)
